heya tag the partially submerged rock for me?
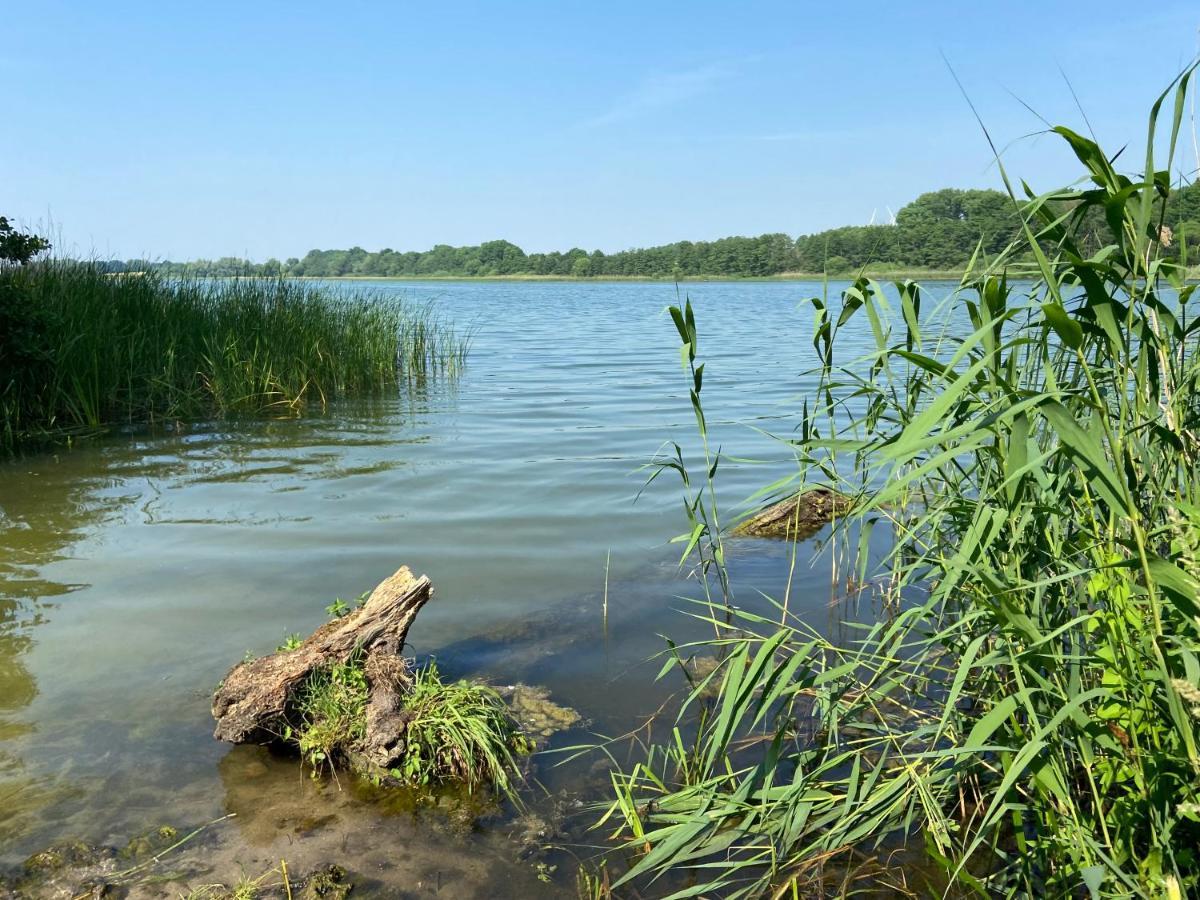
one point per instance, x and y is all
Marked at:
(539, 832)
(148, 843)
(699, 668)
(75, 869)
(329, 883)
(538, 715)
(69, 855)
(797, 518)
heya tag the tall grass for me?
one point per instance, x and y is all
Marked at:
(97, 349)
(1026, 713)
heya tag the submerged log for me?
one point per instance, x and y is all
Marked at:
(798, 517)
(255, 697)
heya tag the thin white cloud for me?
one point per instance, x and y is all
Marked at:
(660, 91)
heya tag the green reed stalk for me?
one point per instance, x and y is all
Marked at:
(1027, 713)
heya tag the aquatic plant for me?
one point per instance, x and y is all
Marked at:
(290, 642)
(1026, 712)
(99, 349)
(332, 709)
(459, 732)
(593, 884)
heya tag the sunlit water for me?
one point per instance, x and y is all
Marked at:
(136, 569)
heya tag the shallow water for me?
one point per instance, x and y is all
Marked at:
(137, 568)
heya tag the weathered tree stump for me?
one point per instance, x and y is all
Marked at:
(797, 518)
(255, 697)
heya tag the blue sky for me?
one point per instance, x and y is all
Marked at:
(178, 130)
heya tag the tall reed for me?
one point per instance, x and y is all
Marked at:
(100, 349)
(1026, 714)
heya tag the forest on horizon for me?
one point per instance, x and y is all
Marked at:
(939, 230)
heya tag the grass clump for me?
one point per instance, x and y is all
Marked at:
(82, 349)
(453, 732)
(332, 709)
(459, 731)
(1026, 712)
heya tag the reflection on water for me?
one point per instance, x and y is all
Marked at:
(134, 570)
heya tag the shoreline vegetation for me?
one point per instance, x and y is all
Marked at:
(1019, 714)
(940, 234)
(81, 349)
(1189, 273)
(925, 274)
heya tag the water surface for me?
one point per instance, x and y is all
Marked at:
(137, 568)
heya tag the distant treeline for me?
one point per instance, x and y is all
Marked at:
(938, 230)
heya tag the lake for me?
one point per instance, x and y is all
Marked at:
(135, 569)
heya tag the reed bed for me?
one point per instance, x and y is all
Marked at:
(1024, 716)
(86, 349)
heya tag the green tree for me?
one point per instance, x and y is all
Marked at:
(1183, 205)
(1187, 240)
(938, 229)
(501, 258)
(17, 246)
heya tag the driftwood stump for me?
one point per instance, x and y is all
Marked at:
(255, 697)
(798, 517)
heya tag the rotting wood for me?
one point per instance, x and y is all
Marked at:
(798, 517)
(256, 695)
